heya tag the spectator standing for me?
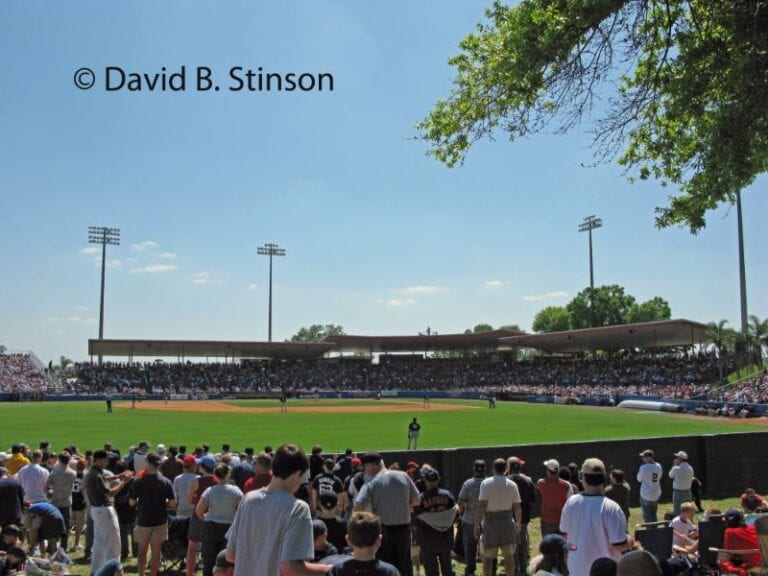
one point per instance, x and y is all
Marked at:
(271, 533)
(17, 459)
(32, 478)
(241, 473)
(181, 485)
(649, 476)
(140, 456)
(365, 538)
(594, 523)
(59, 484)
(100, 495)
(498, 513)
(553, 492)
(78, 503)
(262, 469)
(469, 497)
(217, 508)
(527, 492)
(153, 495)
(324, 483)
(434, 518)
(682, 477)
(172, 466)
(618, 490)
(390, 494)
(206, 466)
(11, 499)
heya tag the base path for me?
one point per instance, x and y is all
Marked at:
(221, 407)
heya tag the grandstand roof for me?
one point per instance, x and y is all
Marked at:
(420, 343)
(642, 335)
(206, 348)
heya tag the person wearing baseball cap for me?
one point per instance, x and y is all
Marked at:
(682, 479)
(468, 501)
(553, 560)
(434, 518)
(593, 522)
(181, 485)
(390, 495)
(649, 475)
(206, 465)
(553, 492)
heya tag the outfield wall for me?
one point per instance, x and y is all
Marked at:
(725, 463)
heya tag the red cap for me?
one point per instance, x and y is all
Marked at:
(189, 461)
(412, 464)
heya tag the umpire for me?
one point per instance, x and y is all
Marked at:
(390, 495)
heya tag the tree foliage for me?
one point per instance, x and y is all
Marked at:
(317, 332)
(687, 83)
(552, 319)
(651, 311)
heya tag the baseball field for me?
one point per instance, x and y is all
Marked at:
(339, 424)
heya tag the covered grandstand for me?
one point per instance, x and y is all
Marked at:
(644, 336)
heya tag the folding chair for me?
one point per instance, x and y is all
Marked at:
(656, 538)
(711, 535)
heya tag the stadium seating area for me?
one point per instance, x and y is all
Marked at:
(670, 376)
(19, 374)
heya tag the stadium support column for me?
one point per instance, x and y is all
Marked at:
(742, 268)
(103, 235)
(588, 224)
(270, 250)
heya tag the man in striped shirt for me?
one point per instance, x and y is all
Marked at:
(469, 496)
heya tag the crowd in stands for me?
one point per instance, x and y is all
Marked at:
(20, 375)
(278, 511)
(680, 375)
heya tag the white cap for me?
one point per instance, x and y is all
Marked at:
(552, 465)
(3, 456)
(682, 455)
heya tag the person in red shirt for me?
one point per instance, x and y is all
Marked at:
(739, 536)
(752, 502)
(553, 492)
(263, 468)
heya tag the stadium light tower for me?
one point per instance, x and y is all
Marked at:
(588, 224)
(270, 250)
(103, 235)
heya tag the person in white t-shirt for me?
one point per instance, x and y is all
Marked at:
(684, 532)
(594, 523)
(498, 514)
(682, 478)
(649, 476)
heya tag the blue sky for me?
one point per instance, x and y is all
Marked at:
(381, 238)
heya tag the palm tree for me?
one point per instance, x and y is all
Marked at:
(758, 335)
(718, 334)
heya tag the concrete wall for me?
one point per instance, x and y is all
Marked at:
(725, 464)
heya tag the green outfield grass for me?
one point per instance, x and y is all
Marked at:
(88, 425)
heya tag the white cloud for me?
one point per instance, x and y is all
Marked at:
(114, 263)
(399, 302)
(72, 320)
(546, 296)
(154, 269)
(203, 278)
(81, 308)
(252, 286)
(144, 245)
(493, 284)
(423, 290)
(167, 255)
(89, 251)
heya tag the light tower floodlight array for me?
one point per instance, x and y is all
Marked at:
(103, 235)
(270, 250)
